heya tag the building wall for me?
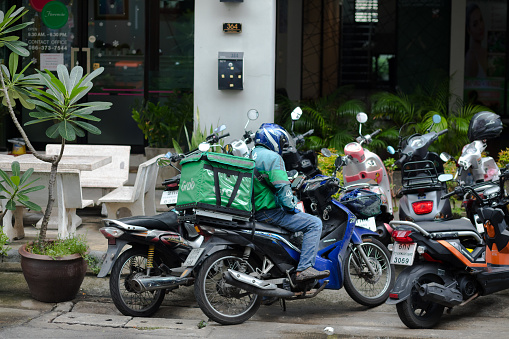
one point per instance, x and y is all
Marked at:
(257, 42)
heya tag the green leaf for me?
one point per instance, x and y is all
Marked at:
(15, 168)
(52, 131)
(66, 131)
(63, 75)
(7, 179)
(13, 62)
(74, 78)
(26, 175)
(31, 205)
(11, 205)
(79, 132)
(15, 180)
(87, 117)
(32, 189)
(21, 197)
(42, 115)
(88, 127)
(17, 47)
(18, 27)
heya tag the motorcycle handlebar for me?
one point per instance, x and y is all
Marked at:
(311, 131)
(442, 132)
(376, 132)
(400, 161)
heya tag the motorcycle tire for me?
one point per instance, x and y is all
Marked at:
(415, 312)
(360, 284)
(129, 302)
(221, 302)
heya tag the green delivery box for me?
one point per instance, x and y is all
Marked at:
(217, 182)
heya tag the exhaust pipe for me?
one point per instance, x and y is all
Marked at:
(440, 294)
(256, 286)
(146, 283)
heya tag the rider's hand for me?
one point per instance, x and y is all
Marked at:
(295, 211)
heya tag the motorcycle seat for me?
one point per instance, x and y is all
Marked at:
(454, 225)
(264, 227)
(166, 221)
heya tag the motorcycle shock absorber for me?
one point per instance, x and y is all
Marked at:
(245, 257)
(150, 258)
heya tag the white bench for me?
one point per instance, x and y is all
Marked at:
(100, 181)
(140, 198)
(68, 197)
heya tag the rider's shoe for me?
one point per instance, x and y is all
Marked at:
(311, 273)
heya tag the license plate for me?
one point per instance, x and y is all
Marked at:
(369, 223)
(193, 257)
(169, 197)
(403, 254)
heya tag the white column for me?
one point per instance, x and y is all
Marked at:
(257, 42)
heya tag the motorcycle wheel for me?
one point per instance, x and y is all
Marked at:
(129, 264)
(362, 286)
(416, 312)
(221, 302)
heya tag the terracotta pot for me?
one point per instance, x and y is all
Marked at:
(52, 280)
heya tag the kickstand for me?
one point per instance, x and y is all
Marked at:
(282, 303)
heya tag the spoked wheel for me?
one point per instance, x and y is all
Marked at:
(130, 264)
(416, 312)
(222, 302)
(362, 286)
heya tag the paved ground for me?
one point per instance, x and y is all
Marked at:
(92, 313)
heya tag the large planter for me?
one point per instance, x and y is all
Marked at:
(164, 172)
(52, 280)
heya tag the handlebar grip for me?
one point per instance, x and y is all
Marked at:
(400, 161)
(224, 136)
(442, 132)
(376, 132)
(311, 131)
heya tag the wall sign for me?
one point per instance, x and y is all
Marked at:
(54, 14)
(232, 27)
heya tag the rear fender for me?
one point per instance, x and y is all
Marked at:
(111, 257)
(403, 286)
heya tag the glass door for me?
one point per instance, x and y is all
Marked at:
(92, 34)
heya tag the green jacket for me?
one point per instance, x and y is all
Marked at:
(272, 168)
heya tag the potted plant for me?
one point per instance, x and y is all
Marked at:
(55, 100)
(164, 125)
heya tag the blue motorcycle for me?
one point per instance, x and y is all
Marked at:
(242, 263)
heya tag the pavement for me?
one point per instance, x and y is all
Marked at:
(331, 314)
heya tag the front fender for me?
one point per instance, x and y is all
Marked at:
(359, 232)
(403, 286)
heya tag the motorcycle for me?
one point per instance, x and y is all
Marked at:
(453, 266)
(142, 274)
(421, 191)
(472, 166)
(364, 169)
(240, 262)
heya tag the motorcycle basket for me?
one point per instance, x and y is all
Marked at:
(363, 203)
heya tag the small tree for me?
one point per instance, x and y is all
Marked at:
(57, 104)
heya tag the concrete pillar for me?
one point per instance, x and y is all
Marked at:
(257, 42)
(457, 57)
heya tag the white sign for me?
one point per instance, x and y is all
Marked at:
(50, 61)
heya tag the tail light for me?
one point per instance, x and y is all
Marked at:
(423, 207)
(402, 236)
(111, 233)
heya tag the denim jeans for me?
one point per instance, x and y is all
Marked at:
(308, 224)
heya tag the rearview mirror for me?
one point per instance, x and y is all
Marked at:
(361, 117)
(391, 150)
(326, 152)
(445, 177)
(296, 113)
(252, 114)
(445, 157)
(220, 129)
(436, 118)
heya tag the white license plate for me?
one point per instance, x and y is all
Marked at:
(403, 254)
(193, 257)
(169, 197)
(369, 223)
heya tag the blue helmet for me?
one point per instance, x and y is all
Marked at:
(272, 136)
